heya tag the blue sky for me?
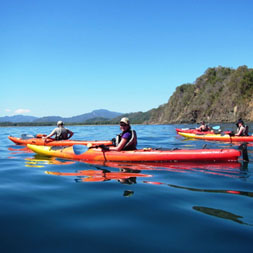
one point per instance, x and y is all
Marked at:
(66, 58)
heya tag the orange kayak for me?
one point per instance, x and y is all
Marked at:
(52, 142)
(141, 155)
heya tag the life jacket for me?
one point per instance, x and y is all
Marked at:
(132, 142)
(205, 129)
(245, 131)
(61, 134)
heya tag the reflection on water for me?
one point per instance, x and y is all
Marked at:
(124, 176)
(244, 193)
(167, 200)
(40, 161)
(220, 214)
(103, 169)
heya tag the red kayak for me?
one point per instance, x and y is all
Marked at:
(79, 152)
(27, 139)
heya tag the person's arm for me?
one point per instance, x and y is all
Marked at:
(200, 128)
(51, 134)
(240, 132)
(120, 146)
(70, 134)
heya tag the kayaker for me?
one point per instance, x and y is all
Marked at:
(127, 140)
(60, 132)
(203, 127)
(242, 129)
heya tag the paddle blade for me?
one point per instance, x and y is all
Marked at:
(79, 149)
(27, 136)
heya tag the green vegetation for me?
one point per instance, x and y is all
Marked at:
(219, 95)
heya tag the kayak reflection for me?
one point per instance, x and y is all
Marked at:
(19, 149)
(243, 170)
(40, 161)
(124, 176)
(183, 167)
(128, 172)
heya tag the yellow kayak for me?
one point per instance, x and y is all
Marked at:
(217, 137)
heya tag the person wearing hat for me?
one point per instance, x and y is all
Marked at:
(242, 129)
(203, 127)
(127, 139)
(60, 132)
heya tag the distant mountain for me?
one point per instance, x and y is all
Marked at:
(96, 114)
(49, 119)
(17, 118)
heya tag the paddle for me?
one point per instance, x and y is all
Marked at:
(243, 148)
(27, 136)
(80, 149)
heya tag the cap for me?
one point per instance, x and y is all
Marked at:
(125, 120)
(59, 123)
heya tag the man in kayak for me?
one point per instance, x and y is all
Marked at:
(203, 127)
(242, 129)
(127, 140)
(60, 132)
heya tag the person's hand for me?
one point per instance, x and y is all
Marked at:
(104, 148)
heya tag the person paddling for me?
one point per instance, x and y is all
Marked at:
(242, 129)
(203, 127)
(127, 140)
(60, 132)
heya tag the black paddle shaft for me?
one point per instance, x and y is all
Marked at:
(244, 149)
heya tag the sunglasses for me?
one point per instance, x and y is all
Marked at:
(122, 124)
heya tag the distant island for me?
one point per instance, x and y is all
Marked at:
(220, 95)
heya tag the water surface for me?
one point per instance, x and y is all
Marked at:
(181, 207)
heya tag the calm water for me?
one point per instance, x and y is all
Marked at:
(162, 208)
